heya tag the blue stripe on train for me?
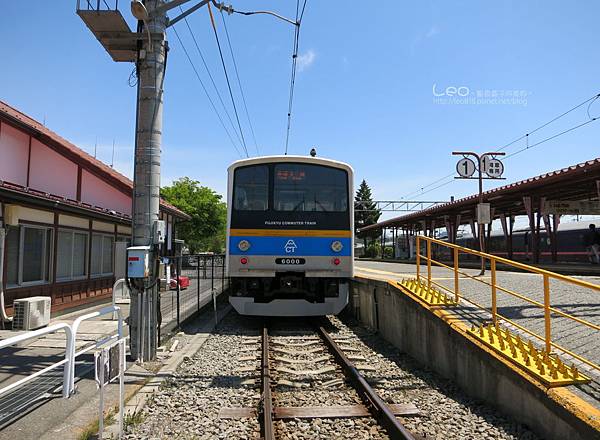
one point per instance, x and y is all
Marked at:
(293, 246)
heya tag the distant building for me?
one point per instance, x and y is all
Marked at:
(63, 211)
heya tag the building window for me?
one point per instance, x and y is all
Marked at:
(28, 255)
(71, 259)
(102, 254)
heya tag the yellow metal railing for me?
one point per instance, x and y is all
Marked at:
(494, 288)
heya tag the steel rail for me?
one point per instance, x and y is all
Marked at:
(376, 406)
(266, 398)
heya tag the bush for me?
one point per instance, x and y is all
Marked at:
(388, 253)
(372, 251)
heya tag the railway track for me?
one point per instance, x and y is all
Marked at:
(372, 404)
(306, 393)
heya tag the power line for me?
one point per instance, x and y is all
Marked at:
(526, 135)
(212, 21)
(299, 16)
(237, 74)
(549, 138)
(589, 100)
(211, 77)
(206, 91)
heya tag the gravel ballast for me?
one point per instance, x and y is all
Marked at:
(225, 373)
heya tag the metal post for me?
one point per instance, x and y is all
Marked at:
(212, 287)
(223, 275)
(493, 282)
(146, 184)
(122, 367)
(429, 265)
(479, 224)
(101, 418)
(547, 334)
(212, 273)
(418, 257)
(198, 282)
(456, 294)
(178, 275)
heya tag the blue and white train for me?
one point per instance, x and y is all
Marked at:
(290, 249)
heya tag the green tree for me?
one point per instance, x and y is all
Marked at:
(365, 212)
(206, 230)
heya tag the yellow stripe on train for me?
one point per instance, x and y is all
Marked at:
(290, 233)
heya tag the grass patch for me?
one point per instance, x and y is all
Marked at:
(132, 419)
(92, 429)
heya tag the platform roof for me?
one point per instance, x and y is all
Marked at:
(575, 183)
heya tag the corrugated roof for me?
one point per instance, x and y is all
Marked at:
(89, 162)
(562, 184)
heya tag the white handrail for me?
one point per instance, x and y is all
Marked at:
(75, 327)
(119, 283)
(68, 361)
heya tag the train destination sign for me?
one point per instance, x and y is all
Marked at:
(570, 207)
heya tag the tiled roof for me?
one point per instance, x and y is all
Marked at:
(70, 150)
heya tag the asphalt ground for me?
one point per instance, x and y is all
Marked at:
(17, 362)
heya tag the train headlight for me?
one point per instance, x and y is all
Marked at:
(244, 245)
(337, 246)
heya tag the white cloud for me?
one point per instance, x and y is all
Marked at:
(432, 32)
(304, 61)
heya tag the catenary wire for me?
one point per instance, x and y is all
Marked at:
(206, 92)
(211, 77)
(237, 74)
(528, 147)
(589, 100)
(212, 21)
(299, 16)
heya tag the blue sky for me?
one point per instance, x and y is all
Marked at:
(364, 92)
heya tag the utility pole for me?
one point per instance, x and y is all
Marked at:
(147, 48)
(146, 181)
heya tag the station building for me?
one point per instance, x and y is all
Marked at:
(62, 211)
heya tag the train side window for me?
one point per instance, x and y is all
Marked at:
(251, 188)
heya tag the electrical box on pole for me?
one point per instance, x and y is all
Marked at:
(138, 262)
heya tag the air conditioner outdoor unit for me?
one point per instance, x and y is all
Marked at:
(31, 313)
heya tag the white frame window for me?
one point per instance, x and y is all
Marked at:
(46, 256)
(72, 254)
(97, 272)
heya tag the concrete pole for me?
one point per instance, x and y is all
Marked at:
(146, 188)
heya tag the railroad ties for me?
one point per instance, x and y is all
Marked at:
(294, 366)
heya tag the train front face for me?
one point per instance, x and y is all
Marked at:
(290, 243)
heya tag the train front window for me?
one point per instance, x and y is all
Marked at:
(251, 188)
(310, 188)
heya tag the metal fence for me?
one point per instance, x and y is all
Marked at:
(189, 283)
(544, 305)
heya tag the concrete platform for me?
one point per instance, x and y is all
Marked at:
(568, 298)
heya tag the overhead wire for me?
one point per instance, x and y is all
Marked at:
(237, 74)
(212, 21)
(211, 77)
(299, 16)
(589, 100)
(206, 92)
